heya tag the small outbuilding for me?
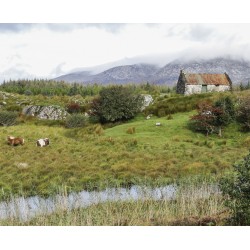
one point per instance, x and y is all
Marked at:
(189, 83)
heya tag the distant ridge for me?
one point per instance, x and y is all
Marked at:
(238, 70)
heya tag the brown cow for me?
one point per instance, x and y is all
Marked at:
(14, 141)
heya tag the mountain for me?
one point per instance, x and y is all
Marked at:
(80, 76)
(238, 70)
(136, 73)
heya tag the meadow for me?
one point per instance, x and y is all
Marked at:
(94, 157)
(122, 154)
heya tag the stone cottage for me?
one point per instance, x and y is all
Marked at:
(201, 83)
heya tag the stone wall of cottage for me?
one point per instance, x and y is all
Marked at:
(196, 89)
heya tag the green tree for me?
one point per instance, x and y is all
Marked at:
(236, 188)
(225, 114)
(241, 87)
(243, 114)
(116, 103)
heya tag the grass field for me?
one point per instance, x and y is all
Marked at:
(82, 159)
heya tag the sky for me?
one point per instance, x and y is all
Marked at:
(50, 50)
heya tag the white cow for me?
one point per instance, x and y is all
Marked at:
(42, 142)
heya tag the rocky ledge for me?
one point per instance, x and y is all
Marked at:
(52, 112)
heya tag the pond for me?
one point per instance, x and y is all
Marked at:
(27, 208)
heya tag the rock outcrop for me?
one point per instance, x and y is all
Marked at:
(148, 99)
(46, 112)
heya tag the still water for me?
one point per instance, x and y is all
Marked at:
(26, 208)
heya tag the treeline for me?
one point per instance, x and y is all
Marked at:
(241, 87)
(49, 88)
(55, 88)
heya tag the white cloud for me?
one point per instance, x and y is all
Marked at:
(46, 50)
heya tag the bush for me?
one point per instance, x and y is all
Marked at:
(98, 130)
(8, 118)
(161, 113)
(14, 108)
(170, 117)
(213, 117)
(204, 120)
(73, 108)
(75, 121)
(243, 114)
(116, 103)
(130, 130)
(237, 189)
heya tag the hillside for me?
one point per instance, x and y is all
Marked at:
(238, 70)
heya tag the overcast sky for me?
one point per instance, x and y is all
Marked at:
(50, 50)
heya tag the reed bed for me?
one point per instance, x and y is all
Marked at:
(190, 204)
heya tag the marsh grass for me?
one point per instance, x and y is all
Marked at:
(194, 204)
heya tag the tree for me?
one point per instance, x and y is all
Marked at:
(241, 87)
(225, 114)
(73, 90)
(243, 114)
(236, 187)
(212, 117)
(116, 103)
(204, 120)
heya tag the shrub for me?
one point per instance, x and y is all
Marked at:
(203, 121)
(243, 114)
(73, 108)
(116, 103)
(224, 112)
(237, 189)
(14, 108)
(170, 117)
(28, 92)
(161, 113)
(75, 121)
(8, 118)
(227, 105)
(98, 130)
(212, 117)
(130, 130)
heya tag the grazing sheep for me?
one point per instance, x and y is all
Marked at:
(158, 124)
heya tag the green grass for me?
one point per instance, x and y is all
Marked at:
(82, 159)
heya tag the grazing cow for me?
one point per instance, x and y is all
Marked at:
(42, 142)
(14, 141)
(158, 124)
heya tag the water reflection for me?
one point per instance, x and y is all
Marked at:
(26, 208)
